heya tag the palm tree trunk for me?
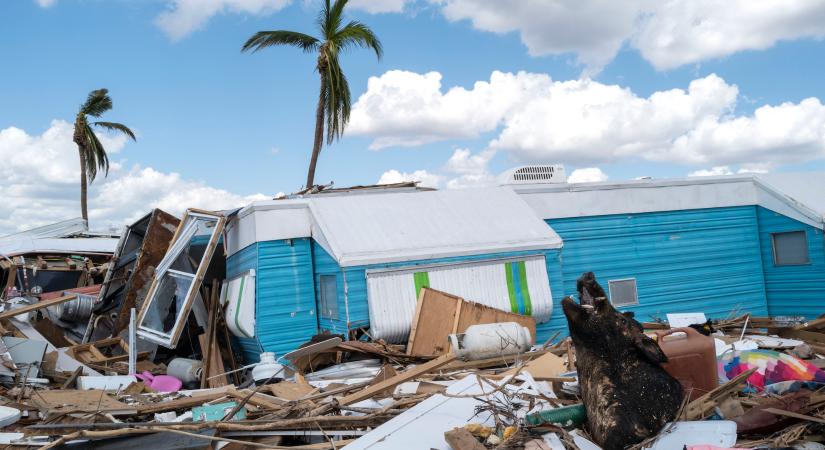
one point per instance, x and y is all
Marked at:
(83, 209)
(319, 133)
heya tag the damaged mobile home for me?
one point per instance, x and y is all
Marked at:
(389, 317)
(347, 260)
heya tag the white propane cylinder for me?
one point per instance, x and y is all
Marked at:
(491, 340)
(267, 368)
(185, 369)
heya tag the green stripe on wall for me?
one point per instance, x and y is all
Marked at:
(422, 280)
(511, 291)
(525, 290)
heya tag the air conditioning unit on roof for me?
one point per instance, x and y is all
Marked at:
(534, 174)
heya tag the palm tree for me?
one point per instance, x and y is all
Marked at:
(92, 154)
(334, 96)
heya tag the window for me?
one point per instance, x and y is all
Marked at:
(623, 292)
(178, 277)
(329, 297)
(790, 249)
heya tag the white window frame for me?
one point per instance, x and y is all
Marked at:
(807, 250)
(635, 291)
(183, 235)
(331, 314)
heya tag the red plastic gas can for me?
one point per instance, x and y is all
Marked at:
(691, 359)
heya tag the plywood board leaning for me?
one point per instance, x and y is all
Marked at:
(439, 314)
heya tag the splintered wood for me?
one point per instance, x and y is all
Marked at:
(439, 314)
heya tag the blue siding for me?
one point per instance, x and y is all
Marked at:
(355, 296)
(285, 295)
(240, 262)
(792, 290)
(285, 307)
(706, 260)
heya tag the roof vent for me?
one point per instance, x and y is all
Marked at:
(535, 174)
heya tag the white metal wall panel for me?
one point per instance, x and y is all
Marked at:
(392, 293)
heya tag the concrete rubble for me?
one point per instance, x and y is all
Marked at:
(131, 348)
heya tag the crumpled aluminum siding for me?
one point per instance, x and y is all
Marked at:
(793, 290)
(285, 295)
(705, 260)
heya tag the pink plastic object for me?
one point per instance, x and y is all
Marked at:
(710, 447)
(160, 383)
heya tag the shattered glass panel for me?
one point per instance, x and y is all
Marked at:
(169, 300)
(166, 309)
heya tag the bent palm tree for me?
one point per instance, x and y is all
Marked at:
(92, 154)
(334, 96)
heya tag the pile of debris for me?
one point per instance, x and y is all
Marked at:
(114, 359)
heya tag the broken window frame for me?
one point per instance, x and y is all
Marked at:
(186, 230)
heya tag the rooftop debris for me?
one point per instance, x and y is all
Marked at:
(469, 377)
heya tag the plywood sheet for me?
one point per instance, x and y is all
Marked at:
(439, 314)
(66, 400)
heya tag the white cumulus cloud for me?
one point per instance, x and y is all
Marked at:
(379, 6)
(45, 3)
(587, 175)
(668, 33)
(425, 179)
(402, 108)
(585, 122)
(40, 184)
(183, 17)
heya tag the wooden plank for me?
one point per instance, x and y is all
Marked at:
(476, 313)
(810, 337)
(439, 314)
(781, 412)
(461, 439)
(812, 325)
(36, 306)
(398, 379)
(179, 403)
(700, 407)
(215, 364)
(60, 400)
(435, 319)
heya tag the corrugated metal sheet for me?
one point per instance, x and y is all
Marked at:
(353, 297)
(706, 260)
(793, 290)
(285, 295)
(518, 285)
(394, 227)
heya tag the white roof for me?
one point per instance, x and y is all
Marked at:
(58, 245)
(551, 201)
(402, 226)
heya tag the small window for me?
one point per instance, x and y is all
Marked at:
(329, 297)
(623, 292)
(790, 249)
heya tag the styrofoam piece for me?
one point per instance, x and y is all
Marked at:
(722, 347)
(773, 341)
(552, 440)
(582, 442)
(7, 438)
(720, 433)
(8, 416)
(423, 425)
(681, 320)
(107, 383)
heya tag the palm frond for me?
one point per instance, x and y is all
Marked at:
(97, 103)
(335, 17)
(114, 126)
(95, 156)
(264, 39)
(337, 99)
(356, 34)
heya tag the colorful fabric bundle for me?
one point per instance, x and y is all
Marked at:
(772, 367)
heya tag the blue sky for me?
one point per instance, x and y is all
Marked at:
(233, 125)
